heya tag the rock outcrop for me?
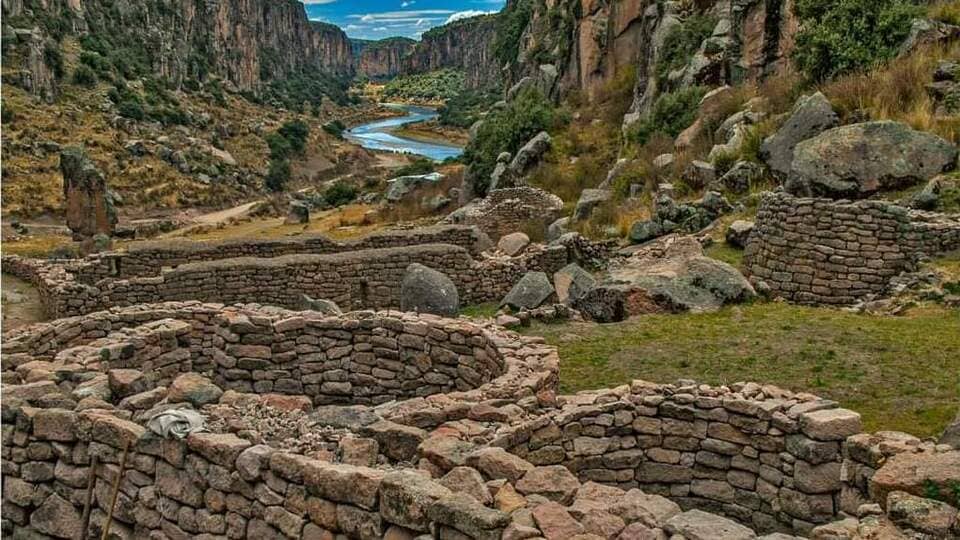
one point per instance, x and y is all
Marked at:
(89, 205)
(811, 116)
(858, 160)
(465, 44)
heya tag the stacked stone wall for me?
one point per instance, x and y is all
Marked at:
(143, 259)
(819, 251)
(765, 457)
(368, 278)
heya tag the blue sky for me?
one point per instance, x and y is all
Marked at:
(377, 19)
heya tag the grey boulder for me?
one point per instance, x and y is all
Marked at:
(320, 305)
(857, 160)
(533, 289)
(738, 233)
(811, 116)
(590, 199)
(426, 290)
(572, 283)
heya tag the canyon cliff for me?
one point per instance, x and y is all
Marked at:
(244, 42)
(381, 59)
(466, 45)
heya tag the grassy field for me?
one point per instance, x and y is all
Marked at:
(900, 373)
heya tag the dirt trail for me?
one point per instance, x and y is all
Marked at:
(19, 302)
(213, 218)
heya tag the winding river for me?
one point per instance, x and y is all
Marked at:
(380, 135)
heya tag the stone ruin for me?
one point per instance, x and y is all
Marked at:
(505, 211)
(822, 251)
(397, 425)
(379, 423)
(89, 205)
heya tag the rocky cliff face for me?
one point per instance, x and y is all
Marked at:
(590, 42)
(381, 59)
(466, 45)
(244, 42)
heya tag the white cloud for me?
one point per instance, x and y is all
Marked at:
(408, 4)
(317, 2)
(387, 15)
(466, 14)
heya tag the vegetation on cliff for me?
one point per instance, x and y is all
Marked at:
(431, 87)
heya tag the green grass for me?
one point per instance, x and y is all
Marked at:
(900, 373)
(724, 252)
(488, 310)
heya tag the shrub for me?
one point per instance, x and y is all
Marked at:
(6, 114)
(671, 114)
(681, 43)
(465, 108)
(54, 59)
(506, 130)
(278, 175)
(96, 62)
(279, 146)
(840, 36)
(339, 194)
(131, 108)
(418, 166)
(947, 11)
(84, 76)
(335, 128)
(295, 132)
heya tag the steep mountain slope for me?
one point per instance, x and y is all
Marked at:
(465, 45)
(381, 59)
(246, 43)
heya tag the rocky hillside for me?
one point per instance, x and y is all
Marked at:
(381, 59)
(246, 43)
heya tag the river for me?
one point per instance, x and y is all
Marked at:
(380, 135)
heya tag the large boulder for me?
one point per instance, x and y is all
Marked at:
(530, 154)
(297, 213)
(195, 389)
(426, 290)
(700, 525)
(398, 188)
(741, 176)
(89, 205)
(533, 289)
(572, 283)
(811, 116)
(670, 275)
(918, 474)
(858, 160)
(590, 199)
(513, 244)
(320, 305)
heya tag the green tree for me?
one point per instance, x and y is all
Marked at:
(506, 130)
(840, 36)
(278, 175)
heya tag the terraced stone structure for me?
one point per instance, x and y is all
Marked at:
(378, 424)
(356, 275)
(820, 251)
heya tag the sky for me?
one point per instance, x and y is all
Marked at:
(378, 19)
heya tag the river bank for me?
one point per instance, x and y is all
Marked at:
(395, 135)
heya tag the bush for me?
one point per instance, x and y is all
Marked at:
(339, 194)
(671, 114)
(680, 44)
(840, 36)
(278, 175)
(54, 59)
(131, 108)
(506, 130)
(279, 146)
(467, 107)
(418, 166)
(295, 132)
(6, 114)
(84, 76)
(335, 128)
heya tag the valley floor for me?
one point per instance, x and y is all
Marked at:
(902, 373)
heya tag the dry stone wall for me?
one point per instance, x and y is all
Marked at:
(505, 211)
(458, 403)
(366, 278)
(820, 251)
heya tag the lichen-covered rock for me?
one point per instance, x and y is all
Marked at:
(589, 200)
(426, 290)
(572, 282)
(811, 116)
(513, 244)
(533, 289)
(89, 207)
(858, 160)
(741, 176)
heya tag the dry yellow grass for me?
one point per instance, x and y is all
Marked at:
(897, 91)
